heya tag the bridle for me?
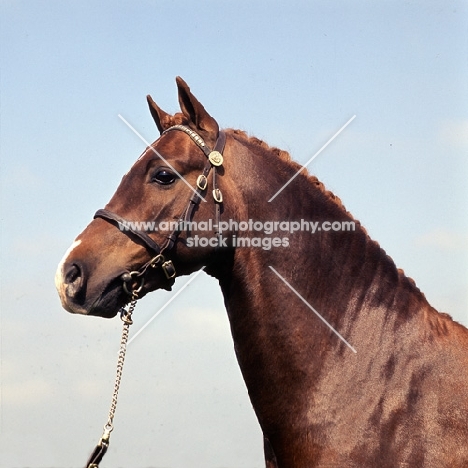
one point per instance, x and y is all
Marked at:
(158, 259)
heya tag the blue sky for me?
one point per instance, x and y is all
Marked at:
(291, 73)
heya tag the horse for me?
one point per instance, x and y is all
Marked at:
(345, 361)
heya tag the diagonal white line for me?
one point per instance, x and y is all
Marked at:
(158, 154)
(165, 305)
(312, 309)
(312, 158)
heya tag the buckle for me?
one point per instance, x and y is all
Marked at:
(202, 182)
(217, 195)
(169, 269)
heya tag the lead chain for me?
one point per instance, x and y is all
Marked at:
(103, 444)
(127, 321)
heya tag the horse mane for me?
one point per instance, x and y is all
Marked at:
(284, 156)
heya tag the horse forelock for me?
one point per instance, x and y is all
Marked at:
(172, 120)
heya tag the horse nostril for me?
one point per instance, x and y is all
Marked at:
(72, 274)
(74, 279)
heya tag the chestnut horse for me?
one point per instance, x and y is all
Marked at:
(345, 361)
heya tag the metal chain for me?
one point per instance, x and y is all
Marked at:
(103, 444)
(127, 321)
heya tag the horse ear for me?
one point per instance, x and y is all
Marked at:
(196, 113)
(162, 119)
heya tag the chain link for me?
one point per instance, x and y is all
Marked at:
(126, 316)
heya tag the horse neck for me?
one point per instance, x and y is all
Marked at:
(302, 379)
(345, 276)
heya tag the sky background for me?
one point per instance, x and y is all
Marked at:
(291, 73)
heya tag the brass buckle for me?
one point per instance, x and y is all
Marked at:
(217, 195)
(202, 182)
(169, 269)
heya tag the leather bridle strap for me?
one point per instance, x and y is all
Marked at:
(215, 159)
(125, 226)
(202, 181)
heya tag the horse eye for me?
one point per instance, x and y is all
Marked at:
(164, 177)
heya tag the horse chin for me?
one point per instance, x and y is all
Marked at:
(106, 307)
(108, 304)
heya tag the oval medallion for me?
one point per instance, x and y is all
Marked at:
(216, 158)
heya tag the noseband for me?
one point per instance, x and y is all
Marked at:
(214, 160)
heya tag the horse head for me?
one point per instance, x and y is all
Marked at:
(139, 242)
